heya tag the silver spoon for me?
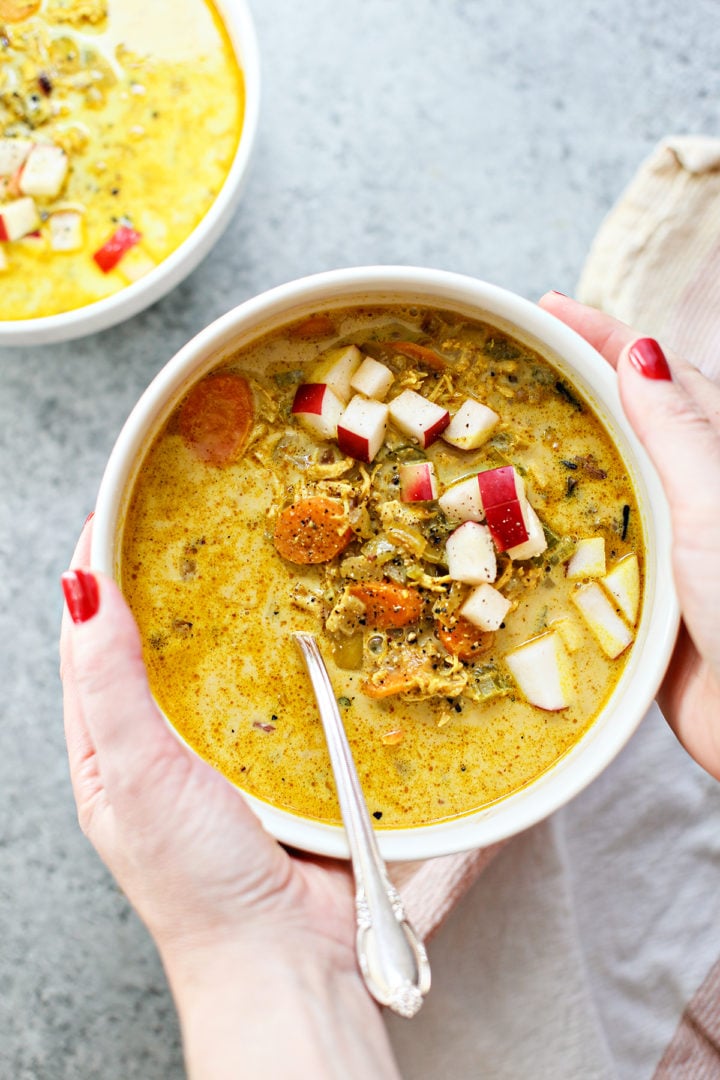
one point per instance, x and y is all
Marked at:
(392, 958)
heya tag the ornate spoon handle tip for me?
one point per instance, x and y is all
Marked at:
(391, 957)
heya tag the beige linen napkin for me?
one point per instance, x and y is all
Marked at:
(655, 263)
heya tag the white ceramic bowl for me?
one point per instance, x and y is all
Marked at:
(172, 270)
(581, 365)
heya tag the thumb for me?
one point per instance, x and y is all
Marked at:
(669, 412)
(673, 414)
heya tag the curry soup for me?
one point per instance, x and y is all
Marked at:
(462, 537)
(119, 122)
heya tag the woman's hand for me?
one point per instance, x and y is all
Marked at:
(675, 412)
(251, 937)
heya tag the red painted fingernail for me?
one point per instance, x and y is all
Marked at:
(556, 292)
(647, 357)
(81, 594)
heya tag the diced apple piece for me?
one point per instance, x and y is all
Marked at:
(18, 218)
(417, 481)
(3, 260)
(66, 230)
(502, 493)
(501, 485)
(136, 264)
(36, 242)
(318, 409)
(541, 669)
(44, 171)
(12, 154)
(361, 428)
(336, 368)
(461, 501)
(536, 542)
(471, 426)
(470, 554)
(588, 559)
(613, 635)
(372, 379)
(116, 247)
(623, 584)
(485, 607)
(570, 632)
(418, 418)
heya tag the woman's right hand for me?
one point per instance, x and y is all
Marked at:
(675, 412)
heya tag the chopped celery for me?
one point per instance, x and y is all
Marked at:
(409, 453)
(489, 682)
(288, 378)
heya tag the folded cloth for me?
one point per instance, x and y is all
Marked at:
(655, 261)
(694, 1052)
(431, 888)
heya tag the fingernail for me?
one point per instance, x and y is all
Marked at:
(89, 518)
(647, 357)
(556, 292)
(81, 594)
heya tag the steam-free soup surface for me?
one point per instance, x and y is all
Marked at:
(227, 551)
(137, 110)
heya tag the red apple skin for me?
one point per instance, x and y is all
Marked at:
(3, 231)
(497, 486)
(309, 398)
(436, 430)
(422, 490)
(417, 486)
(355, 446)
(506, 524)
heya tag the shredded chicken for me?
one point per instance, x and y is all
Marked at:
(331, 470)
(307, 599)
(416, 672)
(345, 616)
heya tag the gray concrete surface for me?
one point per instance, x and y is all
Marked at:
(484, 138)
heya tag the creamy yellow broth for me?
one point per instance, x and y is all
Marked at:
(147, 101)
(216, 604)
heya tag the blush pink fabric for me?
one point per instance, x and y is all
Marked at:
(430, 889)
(694, 1053)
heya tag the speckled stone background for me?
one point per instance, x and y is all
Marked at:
(488, 138)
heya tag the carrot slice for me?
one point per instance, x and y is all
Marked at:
(414, 351)
(216, 417)
(464, 640)
(17, 10)
(312, 530)
(388, 605)
(313, 327)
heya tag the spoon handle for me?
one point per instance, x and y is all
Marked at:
(392, 958)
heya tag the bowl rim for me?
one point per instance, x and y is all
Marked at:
(102, 314)
(645, 668)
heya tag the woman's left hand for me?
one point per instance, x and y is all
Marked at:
(238, 920)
